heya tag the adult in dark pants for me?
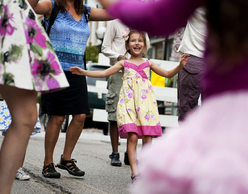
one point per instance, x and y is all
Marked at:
(69, 35)
(189, 77)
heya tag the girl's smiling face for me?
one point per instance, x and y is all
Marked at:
(136, 44)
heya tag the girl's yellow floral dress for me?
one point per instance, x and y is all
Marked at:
(137, 109)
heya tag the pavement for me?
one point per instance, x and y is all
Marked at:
(92, 154)
(89, 134)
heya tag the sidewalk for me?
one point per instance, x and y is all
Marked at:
(97, 134)
(94, 134)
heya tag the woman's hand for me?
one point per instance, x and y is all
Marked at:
(184, 60)
(77, 70)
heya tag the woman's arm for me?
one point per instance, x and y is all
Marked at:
(43, 7)
(99, 15)
(169, 74)
(159, 17)
(107, 72)
(106, 4)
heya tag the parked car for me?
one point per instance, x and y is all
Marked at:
(95, 101)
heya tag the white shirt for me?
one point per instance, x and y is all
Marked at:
(113, 43)
(193, 41)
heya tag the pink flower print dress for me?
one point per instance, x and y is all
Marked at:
(137, 109)
(27, 60)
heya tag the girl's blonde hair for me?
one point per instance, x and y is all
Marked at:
(143, 35)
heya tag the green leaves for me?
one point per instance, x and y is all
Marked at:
(8, 78)
(92, 53)
(1, 7)
(49, 46)
(36, 49)
(15, 53)
(2, 58)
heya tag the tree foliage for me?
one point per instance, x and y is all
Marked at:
(92, 53)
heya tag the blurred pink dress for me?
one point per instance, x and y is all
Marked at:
(208, 153)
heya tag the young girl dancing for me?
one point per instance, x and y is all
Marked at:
(137, 112)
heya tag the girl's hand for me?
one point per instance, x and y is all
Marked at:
(77, 70)
(184, 60)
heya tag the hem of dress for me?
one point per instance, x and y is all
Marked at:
(41, 90)
(154, 131)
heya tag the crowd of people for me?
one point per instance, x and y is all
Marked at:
(205, 153)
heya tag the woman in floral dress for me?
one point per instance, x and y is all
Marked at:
(28, 65)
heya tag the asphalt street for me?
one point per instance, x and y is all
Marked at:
(92, 155)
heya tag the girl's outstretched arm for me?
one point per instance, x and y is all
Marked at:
(169, 74)
(107, 72)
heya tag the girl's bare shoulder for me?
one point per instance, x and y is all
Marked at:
(151, 62)
(122, 62)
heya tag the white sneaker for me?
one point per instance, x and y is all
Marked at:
(21, 175)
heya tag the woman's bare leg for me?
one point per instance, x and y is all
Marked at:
(72, 134)
(22, 106)
(51, 137)
(22, 160)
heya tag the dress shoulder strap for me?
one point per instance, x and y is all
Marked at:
(125, 62)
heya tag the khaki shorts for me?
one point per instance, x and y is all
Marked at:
(112, 98)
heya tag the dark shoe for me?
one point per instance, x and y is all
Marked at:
(135, 178)
(115, 159)
(126, 160)
(50, 172)
(70, 166)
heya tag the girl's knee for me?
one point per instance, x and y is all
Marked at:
(132, 138)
